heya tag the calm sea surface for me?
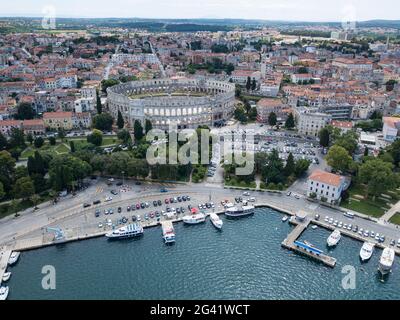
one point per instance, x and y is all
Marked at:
(244, 261)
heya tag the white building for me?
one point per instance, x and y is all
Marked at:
(85, 105)
(325, 185)
(310, 122)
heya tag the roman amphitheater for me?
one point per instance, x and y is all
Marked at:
(186, 102)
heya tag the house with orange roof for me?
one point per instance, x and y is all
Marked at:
(56, 120)
(325, 186)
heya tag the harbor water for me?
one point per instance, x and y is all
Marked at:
(243, 261)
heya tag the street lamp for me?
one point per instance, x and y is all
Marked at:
(123, 177)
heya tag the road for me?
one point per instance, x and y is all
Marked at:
(109, 65)
(69, 214)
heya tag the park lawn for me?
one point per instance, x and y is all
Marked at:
(369, 207)
(30, 150)
(107, 141)
(395, 219)
(61, 148)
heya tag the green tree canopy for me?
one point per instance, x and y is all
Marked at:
(272, 119)
(378, 176)
(339, 159)
(103, 122)
(96, 137)
(23, 188)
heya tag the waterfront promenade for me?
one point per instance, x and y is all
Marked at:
(29, 231)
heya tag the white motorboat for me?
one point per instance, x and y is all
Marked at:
(386, 261)
(6, 277)
(3, 293)
(334, 238)
(194, 218)
(129, 231)
(285, 218)
(216, 221)
(13, 258)
(168, 232)
(366, 251)
(239, 212)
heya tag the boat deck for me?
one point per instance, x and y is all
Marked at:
(4, 257)
(290, 243)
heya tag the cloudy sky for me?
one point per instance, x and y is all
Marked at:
(303, 10)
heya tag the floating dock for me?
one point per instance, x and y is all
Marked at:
(308, 250)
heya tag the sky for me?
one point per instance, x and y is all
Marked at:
(293, 10)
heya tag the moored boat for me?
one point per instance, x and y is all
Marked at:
(194, 218)
(3, 293)
(6, 276)
(13, 258)
(168, 232)
(285, 218)
(334, 238)
(239, 211)
(386, 261)
(216, 221)
(366, 251)
(129, 231)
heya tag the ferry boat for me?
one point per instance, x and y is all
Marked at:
(239, 211)
(366, 251)
(386, 261)
(13, 258)
(129, 231)
(334, 238)
(3, 293)
(6, 276)
(216, 221)
(168, 232)
(194, 218)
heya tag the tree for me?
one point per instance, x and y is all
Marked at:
(98, 103)
(273, 171)
(52, 141)
(38, 143)
(7, 169)
(252, 114)
(324, 137)
(272, 119)
(72, 146)
(148, 126)
(103, 122)
(61, 133)
(35, 200)
(96, 137)
(3, 142)
(17, 138)
(120, 120)
(254, 85)
(348, 140)
(248, 84)
(240, 114)
(2, 193)
(108, 83)
(301, 167)
(124, 136)
(289, 124)
(138, 130)
(290, 165)
(339, 159)
(378, 177)
(23, 188)
(29, 138)
(25, 111)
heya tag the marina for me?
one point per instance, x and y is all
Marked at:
(266, 271)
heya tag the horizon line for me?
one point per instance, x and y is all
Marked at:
(202, 18)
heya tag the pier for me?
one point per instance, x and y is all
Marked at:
(4, 257)
(302, 221)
